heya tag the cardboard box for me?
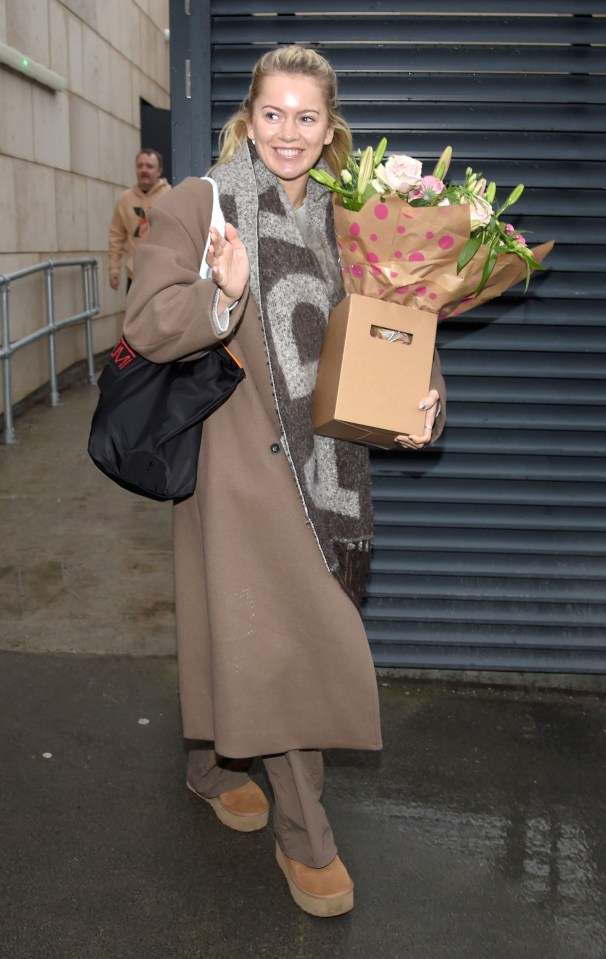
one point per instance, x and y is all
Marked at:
(368, 389)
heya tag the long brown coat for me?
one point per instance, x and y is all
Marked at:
(272, 653)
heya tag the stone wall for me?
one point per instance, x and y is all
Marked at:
(66, 156)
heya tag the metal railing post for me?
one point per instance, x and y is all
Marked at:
(49, 280)
(89, 267)
(90, 356)
(9, 432)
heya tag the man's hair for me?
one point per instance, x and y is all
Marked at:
(153, 153)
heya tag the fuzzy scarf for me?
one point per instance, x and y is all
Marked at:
(295, 284)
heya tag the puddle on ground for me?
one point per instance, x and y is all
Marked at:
(550, 859)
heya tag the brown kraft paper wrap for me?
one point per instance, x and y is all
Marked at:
(397, 254)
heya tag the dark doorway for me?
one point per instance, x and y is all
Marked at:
(156, 133)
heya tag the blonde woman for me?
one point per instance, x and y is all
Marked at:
(272, 550)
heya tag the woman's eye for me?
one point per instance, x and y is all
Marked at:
(270, 115)
(307, 119)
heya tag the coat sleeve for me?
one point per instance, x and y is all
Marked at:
(437, 383)
(117, 240)
(169, 306)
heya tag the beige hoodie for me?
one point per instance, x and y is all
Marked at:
(130, 223)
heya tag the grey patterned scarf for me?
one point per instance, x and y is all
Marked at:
(295, 288)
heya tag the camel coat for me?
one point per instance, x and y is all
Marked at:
(273, 655)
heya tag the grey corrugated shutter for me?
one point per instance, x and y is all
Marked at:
(490, 550)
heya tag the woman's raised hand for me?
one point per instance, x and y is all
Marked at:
(228, 261)
(431, 405)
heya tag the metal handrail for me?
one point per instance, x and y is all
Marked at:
(90, 286)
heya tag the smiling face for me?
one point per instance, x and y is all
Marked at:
(290, 126)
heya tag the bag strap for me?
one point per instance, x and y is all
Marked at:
(217, 220)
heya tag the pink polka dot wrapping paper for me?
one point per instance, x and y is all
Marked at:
(402, 254)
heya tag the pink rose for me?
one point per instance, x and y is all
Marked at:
(399, 173)
(428, 188)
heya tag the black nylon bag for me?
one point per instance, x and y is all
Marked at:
(147, 427)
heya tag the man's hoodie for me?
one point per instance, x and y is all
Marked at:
(130, 223)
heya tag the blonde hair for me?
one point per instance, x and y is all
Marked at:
(296, 61)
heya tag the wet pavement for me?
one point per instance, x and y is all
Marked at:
(84, 565)
(479, 831)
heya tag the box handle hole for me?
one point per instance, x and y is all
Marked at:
(391, 336)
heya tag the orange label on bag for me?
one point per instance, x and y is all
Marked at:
(234, 358)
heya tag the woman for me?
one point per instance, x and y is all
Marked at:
(273, 546)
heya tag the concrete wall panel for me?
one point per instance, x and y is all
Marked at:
(121, 89)
(99, 198)
(59, 54)
(84, 137)
(72, 213)
(17, 113)
(86, 10)
(51, 128)
(95, 58)
(36, 211)
(75, 58)
(8, 206)
(27, 27)
(66, 157)
(3, 21)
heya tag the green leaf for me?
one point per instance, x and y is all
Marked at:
(536, 266)
(366, 171)
(469, 250)
(325, 178)
(488, 268)
(513, 197)
(380, 151)
(443, 163)
(351, 203)
(368, 193)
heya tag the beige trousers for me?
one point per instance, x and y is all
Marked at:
(297, 778)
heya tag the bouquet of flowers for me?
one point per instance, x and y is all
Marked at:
(423, 241)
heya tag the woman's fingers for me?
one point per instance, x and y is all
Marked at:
(428, 402)
(412, 442)
(231, 233)
(228, 261)
(431, 405)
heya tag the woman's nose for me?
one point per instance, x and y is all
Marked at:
(289, 129)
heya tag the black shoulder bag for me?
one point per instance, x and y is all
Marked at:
(147, 427)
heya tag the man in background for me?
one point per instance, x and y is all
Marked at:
(130, 220)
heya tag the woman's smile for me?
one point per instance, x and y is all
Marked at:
(290, 128)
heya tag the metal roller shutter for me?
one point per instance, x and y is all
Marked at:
(490, 549)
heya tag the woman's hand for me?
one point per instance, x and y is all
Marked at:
(431, 405)
(228, 260)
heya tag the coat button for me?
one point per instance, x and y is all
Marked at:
(275, 448)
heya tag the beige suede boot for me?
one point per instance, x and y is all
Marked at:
(327, 891)
(244, 809)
